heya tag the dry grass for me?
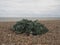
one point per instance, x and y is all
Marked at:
(8, 37)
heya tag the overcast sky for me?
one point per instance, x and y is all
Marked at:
(29, 8)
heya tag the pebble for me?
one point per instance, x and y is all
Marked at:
(3, 44)
(9, 34)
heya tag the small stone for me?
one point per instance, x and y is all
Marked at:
(12, 43)
(3, 44)
(9, 34)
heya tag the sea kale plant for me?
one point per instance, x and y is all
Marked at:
(29, 27)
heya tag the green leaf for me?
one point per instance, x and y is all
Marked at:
(28, 26)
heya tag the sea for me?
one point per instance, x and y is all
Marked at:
(7, 19)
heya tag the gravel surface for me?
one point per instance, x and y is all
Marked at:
(8, 37)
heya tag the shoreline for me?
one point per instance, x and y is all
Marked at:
(10, 19)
